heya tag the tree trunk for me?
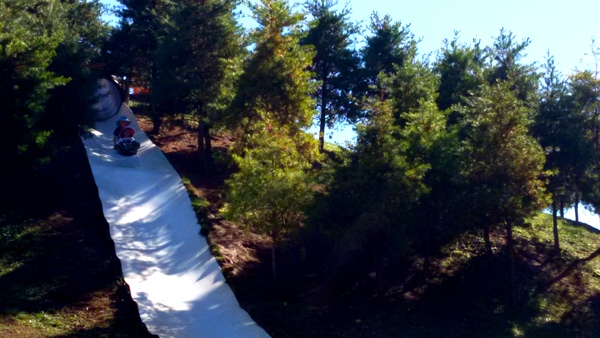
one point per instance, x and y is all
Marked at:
(576, 209)
(555, 227)
(323, 117)
(201, 138)
(273, 255)
(156, 118)
(562, 207)
(126, 86)
(427, 254)
(204, 144)
(511, 261)
(486, 238)
(207, 145)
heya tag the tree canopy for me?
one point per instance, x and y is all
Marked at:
(473, 141)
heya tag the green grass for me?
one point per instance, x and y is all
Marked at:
(21, 243)
(466, 294)
(558, 296)
(200, 206)
(55, 281)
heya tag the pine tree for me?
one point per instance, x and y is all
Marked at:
(460, 68)
(335, 65)
(195, 62)
(373, 204)
(275, 83)
(389, 45)
(272, 187)
(30, 32)
(505, 65)
(584, 87)
(412, 86)
(69, 106)
(558, 127)
(502, 163)
(272, 108)
(132, 48)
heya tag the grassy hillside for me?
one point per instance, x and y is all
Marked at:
(59, 276)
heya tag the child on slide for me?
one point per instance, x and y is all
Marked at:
(123, 140)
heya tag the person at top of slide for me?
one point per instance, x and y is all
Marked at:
(122, 123)
(123, 140)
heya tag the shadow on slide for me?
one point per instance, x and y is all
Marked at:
(174, 279)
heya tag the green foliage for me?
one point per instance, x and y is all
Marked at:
(200, 206)
(275, 83)
(413, 84)
(388, 46)
(85, 34)
(43, 47)
(194, 58)
(131, 50)
(271, 107)
(558, 126)
(370, 212)
(585, 89)
(335, 65)
(196, 63)
(504, 65)
(272, 187)
(460, 68)
(502, 162)
(132, 47)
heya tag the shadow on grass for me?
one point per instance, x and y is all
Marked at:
(68, 265)
(470, 301)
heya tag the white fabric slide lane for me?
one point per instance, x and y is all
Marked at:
(176, 282)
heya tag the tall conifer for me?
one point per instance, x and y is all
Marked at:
(272, 107)
(195, 61)
(335, 65)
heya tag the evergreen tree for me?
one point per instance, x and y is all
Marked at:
(272, 188)
(272, 108)
(505, 65)
(502, 163)
(45, 85)
(195, 62)
(373, 206)
(132, 48)
(460, 69)
(366, 213)
(585, 89)
(335, 65)
(411, 87)
(30, 32)
(388, 46)
(275, 83)
(85, 35)
(558, 127)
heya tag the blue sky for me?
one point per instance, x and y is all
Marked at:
(565, 28)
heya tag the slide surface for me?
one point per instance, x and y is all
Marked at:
(176, 282)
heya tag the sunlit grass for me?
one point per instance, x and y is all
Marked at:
(573, 278)
(16, 239)
(30, 301)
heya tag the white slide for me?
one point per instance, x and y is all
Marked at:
(174, 279)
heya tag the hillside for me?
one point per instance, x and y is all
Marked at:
(466, 291)
(59, 276)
